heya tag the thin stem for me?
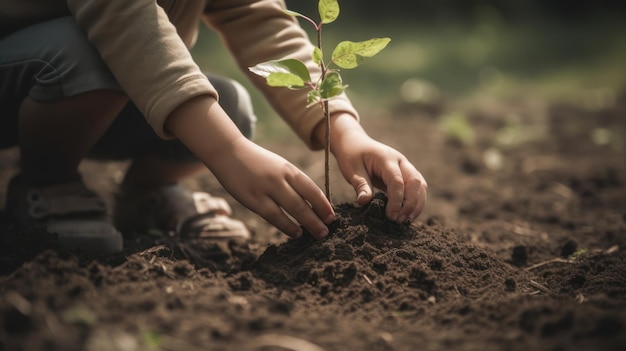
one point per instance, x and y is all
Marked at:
(319, 45)
(327, 119)
(315, 25)
(327, 152)
(318, 29)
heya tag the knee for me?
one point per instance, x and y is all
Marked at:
(235, 100)
(69, 45)
(73, 65)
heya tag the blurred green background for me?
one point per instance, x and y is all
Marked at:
(573, 52)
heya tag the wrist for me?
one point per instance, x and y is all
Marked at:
(341, 124)
(203, 126)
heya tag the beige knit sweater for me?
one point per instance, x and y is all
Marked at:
(145, 44)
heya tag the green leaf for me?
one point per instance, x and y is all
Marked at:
(580, 253)
(312, 97)
(79, 314)
(153, 340)
(349, 54)
(291, 66)
(331, 86)
(281, 79)
(329, 10)
(318, 56)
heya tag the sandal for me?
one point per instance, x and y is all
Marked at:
(77, 215)
(175, 211)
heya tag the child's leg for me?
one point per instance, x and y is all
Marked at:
(55, 136)
(57, 99)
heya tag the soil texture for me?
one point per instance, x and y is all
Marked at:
(522, 246)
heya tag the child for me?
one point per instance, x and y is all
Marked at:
(114, 79)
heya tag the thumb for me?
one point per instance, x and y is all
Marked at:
(363, 188)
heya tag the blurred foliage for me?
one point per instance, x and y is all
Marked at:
(455, 10)
(79, 314)
(152, 340)
(451, 50)
(456, 127)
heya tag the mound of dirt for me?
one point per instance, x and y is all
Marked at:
(368, 264)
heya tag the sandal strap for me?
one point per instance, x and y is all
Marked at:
(174, 209)
(214, 226)
(206, 203)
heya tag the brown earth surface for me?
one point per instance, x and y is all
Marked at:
(521, 247)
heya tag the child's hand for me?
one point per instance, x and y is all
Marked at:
(261, 180)
(268, 185)
(366, 163)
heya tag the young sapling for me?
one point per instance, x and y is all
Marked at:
(294, 74)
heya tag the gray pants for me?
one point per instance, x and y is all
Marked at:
(54, 59)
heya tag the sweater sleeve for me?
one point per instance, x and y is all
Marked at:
(143, 51)
(258, 30)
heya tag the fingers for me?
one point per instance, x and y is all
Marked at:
(394, 182)
(406, 191)
(415, 194)
(314, 197)
(298, 203)
(275, 216)
(362, 185)
(314, 213)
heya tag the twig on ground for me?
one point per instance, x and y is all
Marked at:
(554, 260)
(522, 230)
(285, 342)
(542, 288)
(519, 230)
(152, 250)
(611, 250)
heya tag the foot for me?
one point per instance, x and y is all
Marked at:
(175, 211)
(77, 215)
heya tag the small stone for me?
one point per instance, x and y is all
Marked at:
(510, 284)
(519, 257)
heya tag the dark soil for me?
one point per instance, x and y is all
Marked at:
(521, 247)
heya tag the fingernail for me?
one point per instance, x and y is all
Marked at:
(329, 219)
(297, 234)
(394, 217)
(361, 195)
(322, 233)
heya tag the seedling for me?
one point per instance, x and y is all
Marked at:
(294, 74)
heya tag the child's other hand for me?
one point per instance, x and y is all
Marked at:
(366, 163)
